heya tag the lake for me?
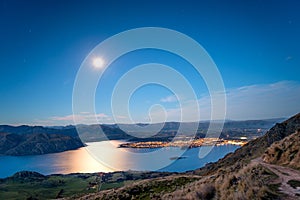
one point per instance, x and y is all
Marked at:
(112, 159)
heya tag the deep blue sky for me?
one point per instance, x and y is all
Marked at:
(255, 44)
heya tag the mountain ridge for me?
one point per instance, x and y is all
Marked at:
(257, 147)
(36, 144)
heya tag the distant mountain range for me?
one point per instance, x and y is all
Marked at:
(33, 140)
(112, 131)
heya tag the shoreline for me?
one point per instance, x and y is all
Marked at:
(183, 143)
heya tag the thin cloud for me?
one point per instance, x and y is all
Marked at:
(169, 99)
(84, 117)
(281, 99)
(262, 101)
(121, 117)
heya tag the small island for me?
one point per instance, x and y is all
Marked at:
(185, 143)
(178, 157)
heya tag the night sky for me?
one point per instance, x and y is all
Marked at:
(255, 45)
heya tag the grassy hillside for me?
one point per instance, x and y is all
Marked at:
(254, 148)
(285, 152)
(32, 185)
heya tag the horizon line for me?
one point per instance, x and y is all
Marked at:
(201, 121)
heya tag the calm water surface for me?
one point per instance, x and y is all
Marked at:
(80, 160)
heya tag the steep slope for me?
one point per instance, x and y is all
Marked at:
(285, 152)
(254, 148)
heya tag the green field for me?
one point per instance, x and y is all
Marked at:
(31, 185)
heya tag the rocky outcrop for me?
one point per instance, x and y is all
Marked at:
(285, 152)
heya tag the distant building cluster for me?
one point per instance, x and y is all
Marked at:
(184, 143)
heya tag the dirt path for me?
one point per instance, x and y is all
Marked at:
(284, 175)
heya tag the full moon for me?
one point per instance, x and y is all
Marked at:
(98, 62)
